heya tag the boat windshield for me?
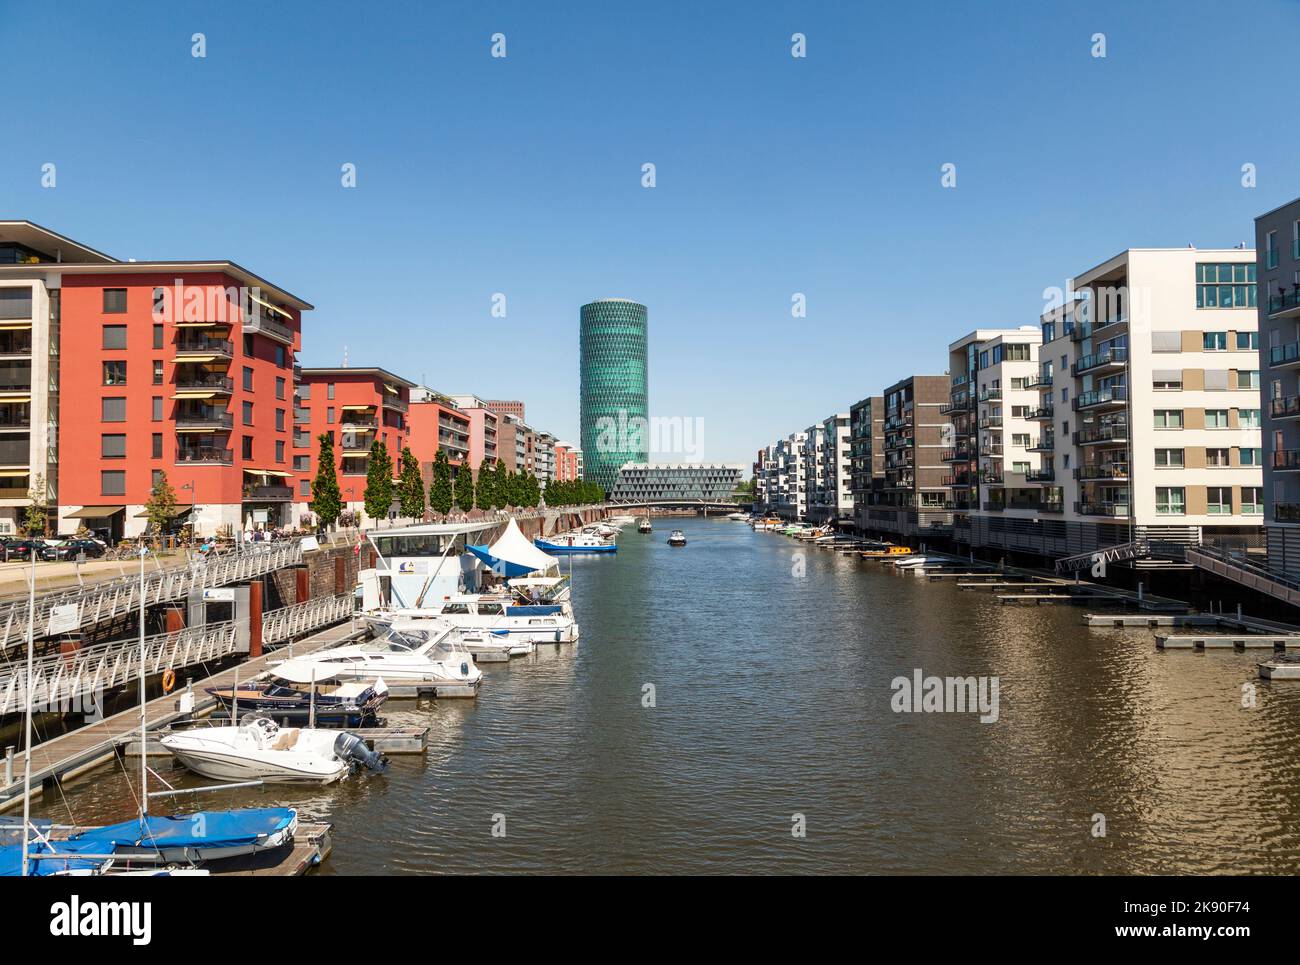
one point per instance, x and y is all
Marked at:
(403, 641)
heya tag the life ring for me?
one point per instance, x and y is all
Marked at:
(169, 680)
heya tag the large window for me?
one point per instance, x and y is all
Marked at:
(1216, 458)
(112, 482)
(1249, 418)
(112, 446)
(1169, 458)
(1216, 418)
(114, 337)
(1252, 500)
(112, 410)
(1170, 501)
(16, 302)
(1248, 378)
(1248, 341)
(1215, 341)
(114, 301)
(1225, 285)
(1252, 456)
(115, 373)
(1218, 500)
(1168, 418)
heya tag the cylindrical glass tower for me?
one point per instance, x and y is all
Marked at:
(614, 414)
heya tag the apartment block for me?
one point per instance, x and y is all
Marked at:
(1277, 245)
(511, 407)
(437, 423)
(814, 470)
(1149, 408)
(993, 398)
(355, 406)
(544, 458)
(834, 493)
(483, 423)
(915, 493)
(568, 462)
(867, 455)
(789, 492)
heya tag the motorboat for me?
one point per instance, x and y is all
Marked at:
(577, 543)
(432, 654)
(644, 526)
(259, 749)
(541, 591)
(738, 517)
(302, 693)
(525, 623)
(768, 523)
(884, 551)
(911, 562)
(678, 538)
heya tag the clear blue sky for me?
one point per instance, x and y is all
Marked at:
(775, 175)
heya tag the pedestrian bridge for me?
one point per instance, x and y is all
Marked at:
(704, 505)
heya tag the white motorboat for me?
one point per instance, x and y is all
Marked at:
(480, 613)
(580, 542)
(431, 654)
(911, 562)
(644, 526)
(258, 749)
(738, 517)
(677, 538)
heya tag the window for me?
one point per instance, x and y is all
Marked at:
(329, 415)
(248, 346)
(1249, 418)
(1216, 458)
(247, 447)
(1169, 458)
(114, 301)
(1020, 411)
(1017, 383)
(1270, 250)
(158, 476)
(1020, 467)
(114, 337)
(1167, 341)
(157, 414)
(303, 392)
(157, 445)
(329, 390)
(279, 420)
(279, 388)
(1215, 341)
(248, 379)
(157, 372)
(1167, 380)
(1015, 353)
(112, 410)
(1252, 500)
(16, 302)
(157, 336)
(1216, 418)
(279, 450)
(1020, 439)
(112, 482)
(280, 357)
(248, 413)
(115, 373)
(1226, 285)
(1218, 500)
(1170, 501)
(304, 488)
(1248, 341)
(302, 463)
(1252, 457)
(1216, 380)
(1169, 418)
(112, 446)
(1248, 378)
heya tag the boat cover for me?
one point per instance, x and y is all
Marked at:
(513, 555)
(537, 610)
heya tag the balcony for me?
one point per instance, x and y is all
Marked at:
(267, 493)
(15, 345)
(1111, 358)
(1038, 382)
(192, 343)
(1102, 472)
(1044, 443)
(991, 422)
(1287, 407)
(1040, 476)
(351, 422)
(1111, 509)
(1049, 507)
(395, 403)
(994, 507)
(357, 442)
(302, 440)
(1041, 413)
(962, 404)
(1286, 512)
(1111, 397)
(15, 451)
(992, 449)
(216, 420)
(991, 476)
(1286, 460)
(1284, 356)
(198, 455)
(956, 455)
(205, 381)
(958, 479)
(1114, 433)
(262, 324)
(991, 395)
(1285, 303)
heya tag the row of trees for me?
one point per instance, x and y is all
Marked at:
(497, 487)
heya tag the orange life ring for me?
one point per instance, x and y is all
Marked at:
(169, 680)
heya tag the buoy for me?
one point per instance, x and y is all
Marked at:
(169, 680)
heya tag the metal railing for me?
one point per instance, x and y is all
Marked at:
(282, 625)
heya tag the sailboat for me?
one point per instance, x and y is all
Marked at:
(150, 840)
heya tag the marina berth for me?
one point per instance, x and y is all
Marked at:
(432, 656)
(302, 693)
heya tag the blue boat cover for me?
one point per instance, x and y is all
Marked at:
(202, 829)
(505, 568)
(533, 610)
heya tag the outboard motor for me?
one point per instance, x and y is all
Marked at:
(350, 747)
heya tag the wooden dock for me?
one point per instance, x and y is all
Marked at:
(74, 753)
(1223, 641)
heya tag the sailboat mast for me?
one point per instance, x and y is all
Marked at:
(27, 761)
(144, 745)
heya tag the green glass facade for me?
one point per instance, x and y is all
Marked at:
(613, 413)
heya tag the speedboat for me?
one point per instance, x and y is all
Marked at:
(258, 749)
(577, 543)
(738, 517)
(644, 526)
(431, 654)
(911, 562)
(678, 538)
(286, 695)
(523, 623)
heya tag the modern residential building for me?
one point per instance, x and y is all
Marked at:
(613, 413)
(789, 493)
(813, 470)
(507, 407)
(355, 406)
(1277, 246)
(867, 455)
(765, 477)
(568, 462)
(915, 494)
(835, 501)
(710, 482)
(544, 458)
(993, 398)
(483, 422)
(438, 424)
(175, 369)
(1149, 409)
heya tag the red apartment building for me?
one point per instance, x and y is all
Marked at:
(567, 462)
(436, 424)
(355, 406)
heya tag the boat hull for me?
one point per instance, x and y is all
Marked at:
(231, 767)
(564, 548)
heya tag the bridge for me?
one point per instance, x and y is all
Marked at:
(703, 505)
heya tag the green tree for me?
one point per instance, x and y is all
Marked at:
(483, 490)
(440, 494)
(465, 488)
(378, 498)
(500, 493)
(326, 500)
(411, 490)
(161, 507)
(37, 518)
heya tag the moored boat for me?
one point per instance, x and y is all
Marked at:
(286, 695)
(258, 749)
(678, 538)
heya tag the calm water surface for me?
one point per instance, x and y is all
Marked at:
(773, 698)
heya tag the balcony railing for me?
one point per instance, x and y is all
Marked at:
(991, 395)
(190, 342)
(1102, 471)
(1286, 512)
(203, 419)
(204, 380)
(1287, 460)
(201, 454)
(1044, 443)
(1288, 354)
(991, 476)
(991, 422)
(269, 492)
(15, 347)
(1039, 381)
(265, 325)
(1117, 432)
(1111, 356)
(1112, 395)
(1042, 412)
(393, 402)
(1284, 301)
(955, 455)
(1040, 475)
(959, 479)
(360, 422)
(1101, 509)
(1287, 407)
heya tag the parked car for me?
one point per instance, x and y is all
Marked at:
(21, 549)
(69, 549)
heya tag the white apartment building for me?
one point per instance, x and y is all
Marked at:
(814, 472)
(791, 483)
(835, 475)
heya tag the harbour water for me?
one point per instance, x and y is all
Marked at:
(771, 664)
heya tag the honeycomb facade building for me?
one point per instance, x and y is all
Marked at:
(614, 412)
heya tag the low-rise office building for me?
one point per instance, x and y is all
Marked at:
(659, 482)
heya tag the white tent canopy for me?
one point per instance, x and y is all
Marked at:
(514, 547)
